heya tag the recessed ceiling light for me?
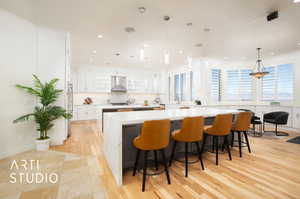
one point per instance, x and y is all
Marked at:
(94, 51)
(167, 58)
(142, 54)
(100, 36)
(296, 1)
(272, 53)
(189, 60)
(146, 45)
(299, 44)
(181, 52)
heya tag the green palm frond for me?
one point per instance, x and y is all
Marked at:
(29, 90)
(23, 118)
(37, 82)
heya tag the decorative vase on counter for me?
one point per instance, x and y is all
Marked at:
(146, 103)
(88, 100)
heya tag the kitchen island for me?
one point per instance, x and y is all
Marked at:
(115, 108)
(121, 127)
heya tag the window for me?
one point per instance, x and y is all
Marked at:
(180, 84)
(177, 88)
(269, 84)
(215, 85)
(245, 84)
(279, 83)
(239, 85)
(191, 85)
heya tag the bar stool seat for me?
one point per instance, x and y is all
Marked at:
(154, 137)
(191, 132)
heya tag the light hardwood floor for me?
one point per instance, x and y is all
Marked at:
(272, 170)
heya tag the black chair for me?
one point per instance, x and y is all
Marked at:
(254, 121)
(277, 118)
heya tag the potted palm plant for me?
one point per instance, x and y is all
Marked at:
(45, 113)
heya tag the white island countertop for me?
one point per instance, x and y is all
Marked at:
(114, 121)
(109, 106)
(134, 117)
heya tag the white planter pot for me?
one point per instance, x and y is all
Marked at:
(42, 145)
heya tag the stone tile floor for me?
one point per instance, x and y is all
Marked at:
(50, 175)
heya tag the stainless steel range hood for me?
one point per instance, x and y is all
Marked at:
(118, 84)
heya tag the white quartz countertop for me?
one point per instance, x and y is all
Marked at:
(109, 106)
(125, 106)
(172, 114)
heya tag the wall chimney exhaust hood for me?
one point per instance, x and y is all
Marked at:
(118, 84)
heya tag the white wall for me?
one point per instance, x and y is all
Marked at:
(52, 64)
(18, 62)
(26, 49)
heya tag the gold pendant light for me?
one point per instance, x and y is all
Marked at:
(259, 67)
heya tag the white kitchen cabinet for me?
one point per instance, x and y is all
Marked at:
(296, 118)
(85, 112)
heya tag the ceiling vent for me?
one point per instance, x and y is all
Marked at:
(129, 29)
(272, 15)
(167, 18)
(142, 10)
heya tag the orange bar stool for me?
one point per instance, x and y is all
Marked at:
(154, 137)
(191, 132)
(242, 125)
(221, 128)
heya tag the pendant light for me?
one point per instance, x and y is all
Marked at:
(259, 68)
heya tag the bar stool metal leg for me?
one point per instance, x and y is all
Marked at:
(165, 164)
(186, 159)
(155, 158)
(172, 154)
(136, 161)
(247, 141)
(217, 150)
(199, 155)
(240, 143)
(145, 171)
(227, 145)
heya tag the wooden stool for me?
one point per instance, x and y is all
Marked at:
(154, 137)
(190, 132)
(221, 128)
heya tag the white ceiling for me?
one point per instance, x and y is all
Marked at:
(238, 27)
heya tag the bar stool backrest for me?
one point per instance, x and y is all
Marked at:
(243, 121)
(222, 124)
(192, 129)
(155, 134)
